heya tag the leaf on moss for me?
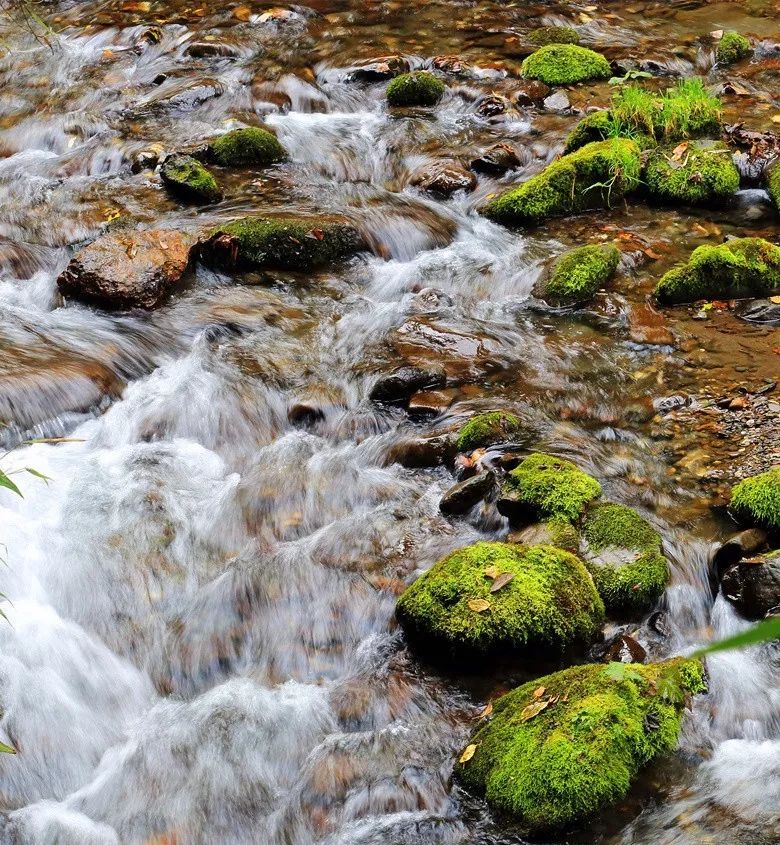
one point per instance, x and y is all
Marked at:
(487, 710)
(539, 692)
(479, 605)
(501, 581)
(534, 709)
(468, 753)
(492, 572)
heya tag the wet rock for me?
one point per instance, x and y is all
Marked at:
(761, 311)
(659, 624)
(304, 414)
(431, 301)
(743, 544)
(749, 207)
(420, 452)
(193, 94)
(211, 49)
(624, 649)
(444, 178)
(531, 92)
(450, 64)
(398, 386)
(757, 149)
(753, 586)
(376, 70)
(557, 102)
(648, 326)
(493, 105)
(127, 269)
(462, 497)
(187, 178)
(429, 402)
(496, 159)
(670, 403)
(148, 158)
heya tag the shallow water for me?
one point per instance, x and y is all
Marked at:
(201, 644)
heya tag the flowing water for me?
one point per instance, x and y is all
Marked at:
(201, 645)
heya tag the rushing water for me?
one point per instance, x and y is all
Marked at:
(201, 645)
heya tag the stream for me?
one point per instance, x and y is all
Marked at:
(200, 643)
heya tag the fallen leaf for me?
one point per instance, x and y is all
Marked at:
(318, 234)
(651, 253)
(468, 753)
(775, 299)
(243, 13)
(539, 692)
(492, 572)
(488, 709)
(776, 118)
(534, 709)
(679, 151)
(479, 605)
(503, 579)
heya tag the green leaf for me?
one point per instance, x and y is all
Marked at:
(764, 632)
(38, 474)
(620, 672)
(6, 749)
(6, 482)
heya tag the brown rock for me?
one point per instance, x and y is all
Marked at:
(532, 92)
(130, 269)
(625, 649)
(450, 64)
(444, 178)
(375, 70)
(399, 385)
(430, 402)
(462, 497)
(497, 159)
(753, 586)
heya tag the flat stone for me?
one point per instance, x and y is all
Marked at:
(462, 497)
(399, 385)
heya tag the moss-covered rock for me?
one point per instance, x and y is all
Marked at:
(704, 173)
(773, 185)
(418, 88)
(544, 487)
(740, 268)
(596, 126)
(553, 759)
(487, 430)
(565, 64)
(250, 146)
(579, 273)
(596, 176)
(550, 602)
(756, 500)
(733, 47)
(545, 35)
(284, 243)
(186, 177)
(623, 554)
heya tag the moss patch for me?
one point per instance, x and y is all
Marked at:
(756, 500)
(418, 88)
(550, 603)
(186, 177)
(293, 243)
(582, 751)
(579, 273)
(487, 429)
(596, 176)
(545, 35)
(743, 267)
(733, 47)
(547, 487)
(243, 147)
(624, 557)
(702, 174)
(773, 185)
(565, 64)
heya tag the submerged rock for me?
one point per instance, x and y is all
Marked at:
(376, 70)
(212, 49)
(753, 586)
(444, 178)
(544, 600)
(487, 430)
(127, 269)
(696, 173)
(743, 267)
(186, 177)
(398, 386)
(419, 88)
(565, 64)
(560, 748)
(285, 243)
(578, 274)
(595, 176)
(756, 500)
(242, 147)
(496, 159)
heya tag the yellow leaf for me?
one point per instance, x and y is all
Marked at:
(492, 572)
(775, 299)
(488, 709)
(533, 709)
(776, 118)
(539, 692)
(468, 753)
(479, 605)
(503, 579)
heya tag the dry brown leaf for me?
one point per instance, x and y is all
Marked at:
(534, 709)
(539, 692)
(679, 151)
(492, 572)
(487, 710)
(468, 753)
(650, 253)
(775, 299)
(501, 581)
(479, 605)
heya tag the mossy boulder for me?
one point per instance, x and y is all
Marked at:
(773, 185)
(246, 147)
(732, 47)
(565, 64)
(579, 273)
(596, 176)
(545, 35)
(554, 758)
(596, 126)
(418, 88)
(543, 487)
(549, 604)
(284, 243)
(756, 500)
(187, 178)
(487, 430)
(623, 553)
(701, 174)
(740, 268)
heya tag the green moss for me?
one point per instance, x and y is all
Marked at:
(583, 750)
(580, 272)
(188, 178)
(243, 147)
(624, 557)
(703, 174)
(550, 603)
(565, 64)
(596, 176)
(486, 430)
(550, 488)
(554, 35)
(733, 47)
(687, 110)
(757, 499)
(743, 267)
(418, 88)
(773, 185)
(291, 243)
